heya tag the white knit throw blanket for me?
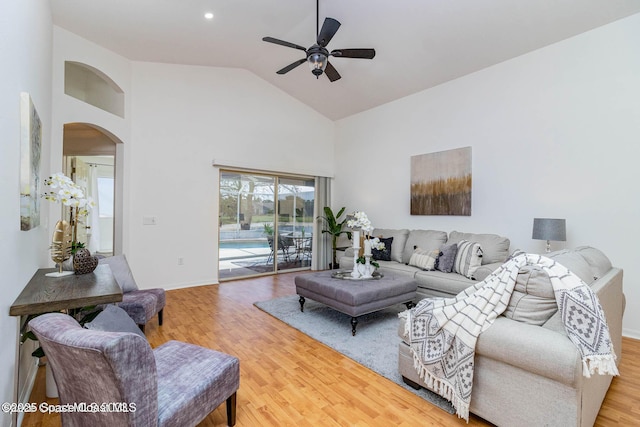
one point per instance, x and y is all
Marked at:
(442, 332)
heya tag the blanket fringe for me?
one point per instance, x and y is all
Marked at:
(405, 317)
(441, 387)
(602, 364)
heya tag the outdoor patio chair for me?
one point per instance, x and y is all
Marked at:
(283, 246)
(175, 384)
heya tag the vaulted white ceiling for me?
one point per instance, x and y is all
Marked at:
(419, 43)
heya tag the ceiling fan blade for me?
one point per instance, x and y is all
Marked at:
(291, 66)
(331, 72)
(354, 53)
(283, 43)
(328, 30)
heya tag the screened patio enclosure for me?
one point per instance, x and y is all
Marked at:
(266, 223)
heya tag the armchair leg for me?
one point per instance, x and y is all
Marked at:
(160, 317)
(231, 410)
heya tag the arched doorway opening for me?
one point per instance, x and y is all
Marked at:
(92, 157)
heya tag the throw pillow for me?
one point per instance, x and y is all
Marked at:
(399, 240)
(447, 258)
(427, 240)
(121, 272)
(468, 258)
(114, 319)
(425, 260)
(384, 254)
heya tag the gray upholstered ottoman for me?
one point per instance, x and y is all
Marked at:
(355, 297)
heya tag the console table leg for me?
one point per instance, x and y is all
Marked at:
(354, 323)
(301, 301)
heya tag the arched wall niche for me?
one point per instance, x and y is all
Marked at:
(90, 85)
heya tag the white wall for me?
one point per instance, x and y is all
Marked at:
(25, 55)
(177, 120)
(67, 109)
(184, 117)
(554, 133)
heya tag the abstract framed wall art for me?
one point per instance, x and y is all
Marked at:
(441, 183)
(30, 146)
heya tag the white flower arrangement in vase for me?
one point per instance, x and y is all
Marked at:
(66, 192)
(363, 267)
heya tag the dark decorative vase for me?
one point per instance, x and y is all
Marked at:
(83, 262)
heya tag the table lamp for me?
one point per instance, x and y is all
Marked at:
(549, 229)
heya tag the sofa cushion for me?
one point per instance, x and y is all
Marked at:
(485, 270)
(424, 239)
(437, 283)
(397, 267)
(399, 240)
(383, 254)
(447, 258)
(597, 260)
(533, 300)
(468, 258)
(425, 260)
(575, 263)
(494, 248)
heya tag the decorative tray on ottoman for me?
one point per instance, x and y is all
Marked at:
(346, 275)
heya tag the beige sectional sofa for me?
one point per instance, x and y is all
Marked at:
(527, 371)
(435, 283)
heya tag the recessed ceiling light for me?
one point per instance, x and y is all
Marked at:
(208, 15)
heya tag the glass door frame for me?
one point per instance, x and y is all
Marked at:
(280, 246)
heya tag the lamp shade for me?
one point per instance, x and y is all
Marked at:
(549, 229)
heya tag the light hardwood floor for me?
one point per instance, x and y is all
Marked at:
(289, 379)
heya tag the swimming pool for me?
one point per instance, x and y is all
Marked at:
(243, 244)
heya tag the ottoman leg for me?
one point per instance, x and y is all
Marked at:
(301, 301)
(354, 323)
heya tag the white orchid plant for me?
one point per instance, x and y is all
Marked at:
(359, 220)
(66, 192)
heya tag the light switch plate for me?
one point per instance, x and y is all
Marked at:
(149, 220)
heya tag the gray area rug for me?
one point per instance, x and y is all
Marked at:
(375, 344)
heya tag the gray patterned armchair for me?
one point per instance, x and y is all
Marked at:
(176, 384)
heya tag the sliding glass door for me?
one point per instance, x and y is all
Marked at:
(266, 223)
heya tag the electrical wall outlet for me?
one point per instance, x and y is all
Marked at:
(180, 260)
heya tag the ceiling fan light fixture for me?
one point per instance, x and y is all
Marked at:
(317, 56)
(317, 63)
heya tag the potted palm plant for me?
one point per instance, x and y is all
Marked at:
(334, 229)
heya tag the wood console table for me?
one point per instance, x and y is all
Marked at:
(43, 294)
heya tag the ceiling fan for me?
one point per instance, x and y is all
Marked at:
(318, 55)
